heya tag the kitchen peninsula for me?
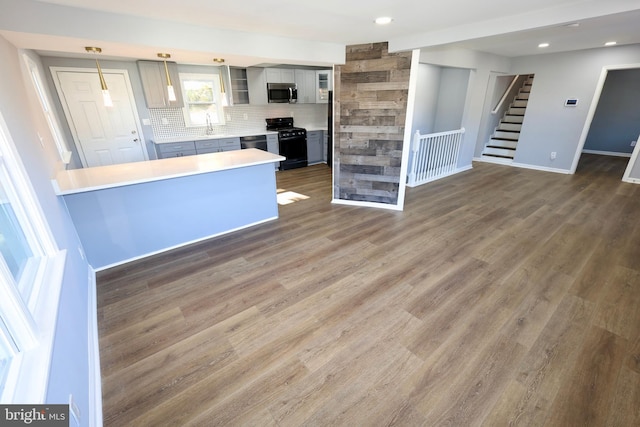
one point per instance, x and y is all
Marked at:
(128, 211)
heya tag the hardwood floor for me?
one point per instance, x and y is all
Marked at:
(499, 296)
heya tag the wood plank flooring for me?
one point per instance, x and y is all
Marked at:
(499, 296)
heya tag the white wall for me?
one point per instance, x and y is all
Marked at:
(70, 370)
(549, 126)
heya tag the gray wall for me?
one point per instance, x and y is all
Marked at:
(451, 99)
(426, 98)
(549, 125)
(136, 86)
(21, 110)
(480, 66)
(635, 170)
(617, 119)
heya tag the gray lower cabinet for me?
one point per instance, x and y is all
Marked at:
(203, 146)
(228, 144)
(315, 144)
(207, 146)
(217, 145)
(175, 149)
(272, 146)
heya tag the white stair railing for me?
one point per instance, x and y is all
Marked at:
(434, 156)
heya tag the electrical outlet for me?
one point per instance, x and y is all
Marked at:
(553, 155)
(165, 121)
(633, 143)
(146, 122)
(74, 410)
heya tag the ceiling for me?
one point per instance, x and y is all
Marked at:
(503, 27)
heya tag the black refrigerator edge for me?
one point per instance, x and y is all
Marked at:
(330, 130)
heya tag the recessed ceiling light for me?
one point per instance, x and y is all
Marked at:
(543, 45)
(383, 20)
(610, 43)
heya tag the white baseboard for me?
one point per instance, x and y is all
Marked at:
(631, 180)
(524, 166)
(607, 153)
(542, 168)
(366, 204)
(95, 378)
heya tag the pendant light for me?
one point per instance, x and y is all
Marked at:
(172, 93)
(106, 97)
(225, 101)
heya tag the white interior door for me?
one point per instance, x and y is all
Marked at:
(103, 135)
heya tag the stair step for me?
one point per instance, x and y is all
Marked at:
(525, 89)
(510, 126)
(508, 135)
(523, 95)
(497, 159)
(512, 119)
(499, 152)
(520, 103)
(516, 111)
(502, 143)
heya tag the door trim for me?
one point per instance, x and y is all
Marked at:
(76, 141)
(592, 111)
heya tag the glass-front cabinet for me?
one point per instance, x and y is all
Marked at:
(239, 85)
(324, 82)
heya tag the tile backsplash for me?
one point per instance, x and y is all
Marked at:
(168, 123)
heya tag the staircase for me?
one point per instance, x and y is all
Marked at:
(504, 140)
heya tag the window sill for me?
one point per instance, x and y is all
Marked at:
(28, 373)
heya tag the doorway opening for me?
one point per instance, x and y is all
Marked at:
(613, 122)
(103, 135)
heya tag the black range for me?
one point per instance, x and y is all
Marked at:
(291, 140)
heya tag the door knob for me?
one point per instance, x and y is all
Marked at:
(135, 140)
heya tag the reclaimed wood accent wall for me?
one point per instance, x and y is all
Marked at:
(371, 92)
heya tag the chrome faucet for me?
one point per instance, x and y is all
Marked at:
(209, 126)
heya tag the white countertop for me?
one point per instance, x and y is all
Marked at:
(97, 178)
(214, 136)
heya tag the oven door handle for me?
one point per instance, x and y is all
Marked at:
(291, 138)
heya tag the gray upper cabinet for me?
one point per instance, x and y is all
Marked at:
(257, 84)
(154, 84)
(306, 82)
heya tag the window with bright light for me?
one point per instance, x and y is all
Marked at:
(31, 269)
(202, 100)
(52, 121)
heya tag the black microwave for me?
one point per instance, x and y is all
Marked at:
(282, 93)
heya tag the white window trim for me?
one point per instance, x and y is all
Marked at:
(213, 77)
(35, 321)
(49, 115)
